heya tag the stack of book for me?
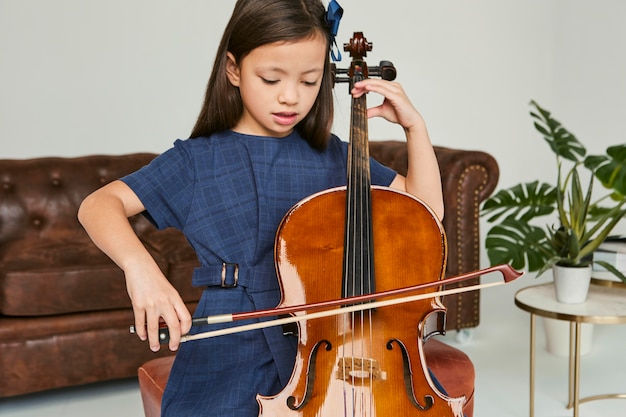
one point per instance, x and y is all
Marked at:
(613, 252)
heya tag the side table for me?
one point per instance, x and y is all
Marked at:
(604, 305)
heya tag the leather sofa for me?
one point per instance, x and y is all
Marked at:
(64, 310)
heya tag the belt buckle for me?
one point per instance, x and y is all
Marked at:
(235, 275)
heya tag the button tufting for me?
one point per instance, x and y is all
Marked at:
(104, 175)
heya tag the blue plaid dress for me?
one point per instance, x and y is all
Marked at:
(228, 194)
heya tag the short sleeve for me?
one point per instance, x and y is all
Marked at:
(165, 186)
(381, 174)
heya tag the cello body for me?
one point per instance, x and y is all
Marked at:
(368, 364)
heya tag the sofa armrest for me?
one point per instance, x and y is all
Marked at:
(468, 178)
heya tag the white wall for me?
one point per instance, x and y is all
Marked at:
(84, 76)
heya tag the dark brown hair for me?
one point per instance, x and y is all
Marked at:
(256, 23)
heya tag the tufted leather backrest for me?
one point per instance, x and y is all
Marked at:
(40, 197)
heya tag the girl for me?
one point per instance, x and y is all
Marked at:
(262, 142)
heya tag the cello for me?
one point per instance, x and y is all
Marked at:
(347, 242)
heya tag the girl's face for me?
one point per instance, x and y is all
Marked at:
(278, 83)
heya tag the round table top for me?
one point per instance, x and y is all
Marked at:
(604, 305)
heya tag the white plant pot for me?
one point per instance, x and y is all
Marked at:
(571, 284)
(557, 337)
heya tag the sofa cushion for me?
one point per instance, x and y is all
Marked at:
(70, 349)
(64, 274)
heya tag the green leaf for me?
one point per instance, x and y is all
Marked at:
(612, 269)
(517, 243)
(579, 205)
(610, 169)
(602, 229)
(522, 201)
(562, 142)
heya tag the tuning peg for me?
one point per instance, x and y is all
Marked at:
(386, 70)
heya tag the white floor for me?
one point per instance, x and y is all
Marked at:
(498, 347)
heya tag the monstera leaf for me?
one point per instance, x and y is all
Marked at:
(522, 201)
(563, 143)
(519, 244)
(610, 169)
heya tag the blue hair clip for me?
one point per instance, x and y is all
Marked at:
(333, 16)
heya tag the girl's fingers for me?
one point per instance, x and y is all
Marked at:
(173, 324)
(396, 106)
(153, 333)
(388, 89)
(140, 324)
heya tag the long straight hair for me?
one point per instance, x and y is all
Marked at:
(255, 23)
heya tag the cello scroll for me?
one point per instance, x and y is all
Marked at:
(358, 48)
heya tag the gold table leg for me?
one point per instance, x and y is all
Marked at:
(532, 365)
(572, 355)
(574, 366)
(577, 368)
(575, 347)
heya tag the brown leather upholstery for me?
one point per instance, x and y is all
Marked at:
(153, 377)
(453, 369)
(64, 310)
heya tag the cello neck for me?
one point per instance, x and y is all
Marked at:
(358, 265)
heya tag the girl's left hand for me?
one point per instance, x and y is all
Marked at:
(396, 107)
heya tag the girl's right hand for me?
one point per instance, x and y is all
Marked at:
(154, 298)
(104, 215)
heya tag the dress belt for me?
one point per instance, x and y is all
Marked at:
(231, 275)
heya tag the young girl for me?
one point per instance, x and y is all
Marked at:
(262, 142)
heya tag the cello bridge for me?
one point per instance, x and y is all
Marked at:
(350, 369)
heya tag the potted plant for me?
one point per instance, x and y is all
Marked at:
(583, 221)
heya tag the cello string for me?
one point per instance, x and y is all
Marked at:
(370, 252)
(349, 269)
(357, 280)
(366, 210)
